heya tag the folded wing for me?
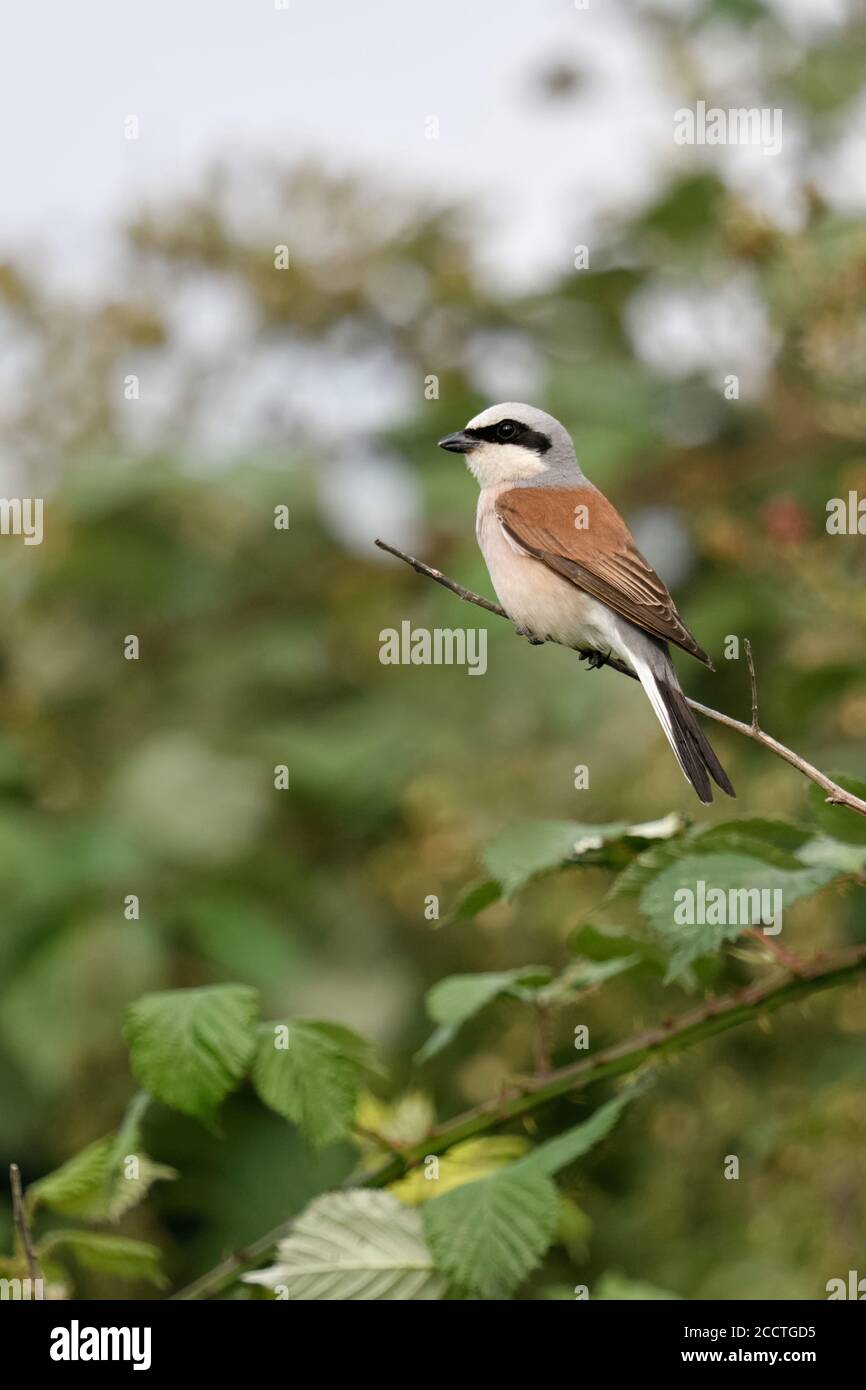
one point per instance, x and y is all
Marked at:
(578, 534)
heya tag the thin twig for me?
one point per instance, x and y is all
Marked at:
(836, 795)
(381, 1140)
(756, 728)
(22, 1225)
(714, 1016)
(443, 579)
(788, 959)
(541, 1039)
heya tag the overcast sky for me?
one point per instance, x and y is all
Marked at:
(351, 82)
(354, 84)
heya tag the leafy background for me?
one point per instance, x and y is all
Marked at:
(260, 647)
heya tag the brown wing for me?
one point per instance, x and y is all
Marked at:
(577, 533)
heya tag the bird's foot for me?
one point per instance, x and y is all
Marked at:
(595, 660)
(530, 637)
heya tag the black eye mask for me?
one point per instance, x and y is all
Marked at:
(523, 435)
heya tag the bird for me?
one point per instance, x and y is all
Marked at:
(566, 569)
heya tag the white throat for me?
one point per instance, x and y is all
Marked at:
(495, 464)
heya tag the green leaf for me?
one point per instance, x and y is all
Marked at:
(474, 900)
(527, 848)
(848, 859)
(690, 207)
(109, 1254)
(573, 1230)
(439, 1038)
(585, 974)
(488, 1235)
(92, 1187)
(772, 841)
(466, 1162)
(72, 1187)
(646, 866)
(603, 943)
(128, 1189)
(457, 998)
(454, 1000)
(190, 1047)
(314, 1081)
(837, 822)
(557, 1153)
(405, 1120)
(729, 873)
(354, 1246)
(351, 1044)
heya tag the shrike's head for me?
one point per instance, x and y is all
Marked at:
(513, 443)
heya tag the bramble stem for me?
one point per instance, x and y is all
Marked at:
(712, 1017)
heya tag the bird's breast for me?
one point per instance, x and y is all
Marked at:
(534, 597)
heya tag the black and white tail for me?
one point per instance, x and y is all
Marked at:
(692, 748)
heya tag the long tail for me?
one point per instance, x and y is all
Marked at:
(691, 747)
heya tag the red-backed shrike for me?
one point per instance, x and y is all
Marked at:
(565, 567)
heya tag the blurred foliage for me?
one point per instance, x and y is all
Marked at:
(259, 648)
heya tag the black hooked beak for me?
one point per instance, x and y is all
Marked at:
(459, 443)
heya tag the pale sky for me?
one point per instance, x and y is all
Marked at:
(350, 82)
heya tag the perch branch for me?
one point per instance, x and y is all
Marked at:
(22, 1226)
(714, 1016)
(836, 795)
